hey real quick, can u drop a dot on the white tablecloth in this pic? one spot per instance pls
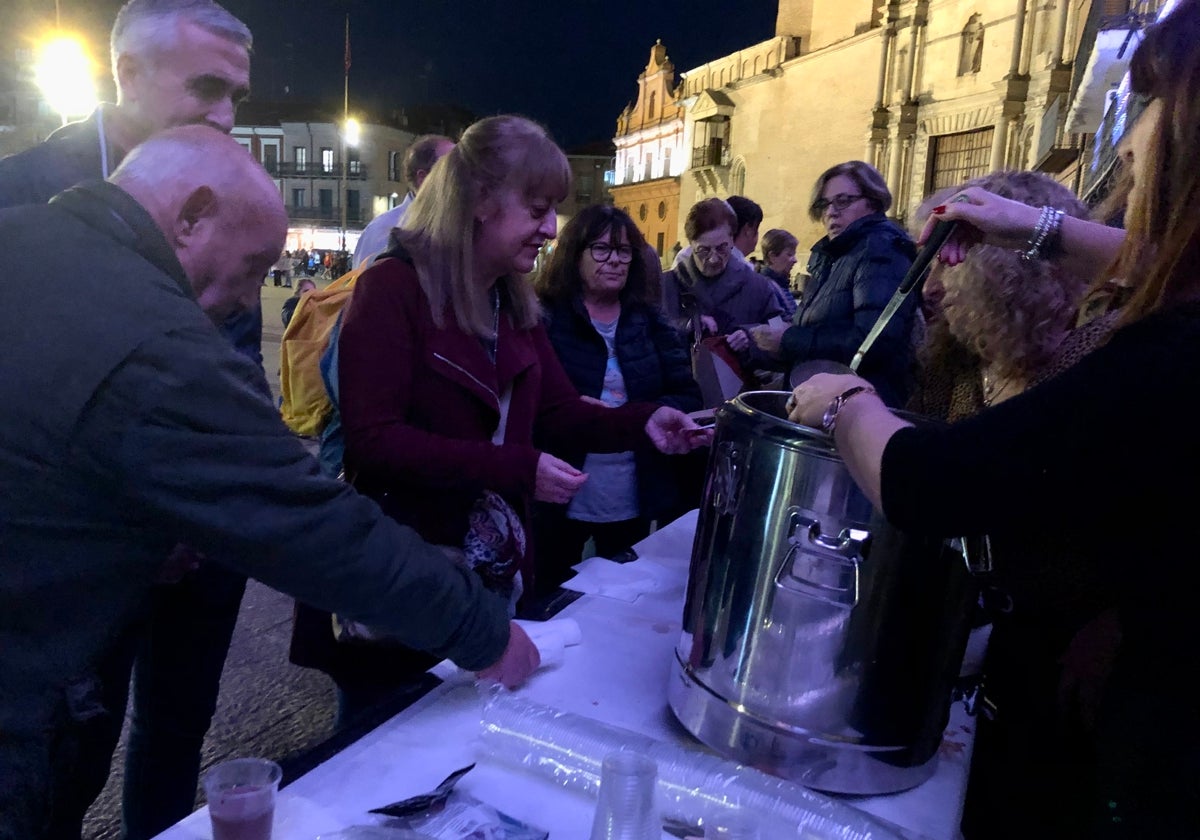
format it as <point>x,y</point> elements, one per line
<point>617,675</point>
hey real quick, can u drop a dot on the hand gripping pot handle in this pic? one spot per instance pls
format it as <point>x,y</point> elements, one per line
<point>822,566</point>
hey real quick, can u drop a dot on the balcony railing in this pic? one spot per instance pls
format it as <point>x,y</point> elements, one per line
<point>326,215</point>
<point>711,156</point>
<point>355,170</point>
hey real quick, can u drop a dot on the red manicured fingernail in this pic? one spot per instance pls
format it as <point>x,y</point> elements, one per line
<point>939,210</point>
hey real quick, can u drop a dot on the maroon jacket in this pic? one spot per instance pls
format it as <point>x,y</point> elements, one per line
<point>420,404</point>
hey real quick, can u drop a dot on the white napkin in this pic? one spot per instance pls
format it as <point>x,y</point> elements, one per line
<point>551,638</point>
<point>623,581</point>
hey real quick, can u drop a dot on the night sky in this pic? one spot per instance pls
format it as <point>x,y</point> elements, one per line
<point>571,65</point>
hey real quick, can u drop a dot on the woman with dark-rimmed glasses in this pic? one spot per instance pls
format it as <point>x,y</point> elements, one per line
<point>602,317</point>
<point>1103,455</point>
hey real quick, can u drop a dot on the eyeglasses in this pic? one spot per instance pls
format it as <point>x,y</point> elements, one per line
<point>704,252</point>
<point>838,202</point>
<point>601,251</point>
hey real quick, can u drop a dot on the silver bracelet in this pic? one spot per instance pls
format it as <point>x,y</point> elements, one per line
<point>1045,232</point>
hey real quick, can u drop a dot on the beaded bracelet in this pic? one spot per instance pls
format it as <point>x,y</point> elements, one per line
<point>1045,232</point>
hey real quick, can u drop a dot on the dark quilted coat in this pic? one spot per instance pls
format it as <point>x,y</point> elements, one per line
<point>853,277</point>
<point>656,367</point>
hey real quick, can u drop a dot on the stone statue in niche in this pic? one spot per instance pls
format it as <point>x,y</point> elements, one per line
<point>970,56</point>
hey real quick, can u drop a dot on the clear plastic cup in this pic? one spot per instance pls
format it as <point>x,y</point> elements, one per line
<point>241,798</point>
<point>626,809</point>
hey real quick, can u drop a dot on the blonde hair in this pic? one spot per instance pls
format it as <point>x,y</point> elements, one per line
<point>440,229</point>
<point>1014,312</point>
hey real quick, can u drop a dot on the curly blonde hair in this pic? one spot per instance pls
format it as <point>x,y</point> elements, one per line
<point>1011,312</point>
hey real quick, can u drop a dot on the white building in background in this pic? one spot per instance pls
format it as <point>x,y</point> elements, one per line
<point>931,92</point>
<point>650,153</point>
<point>317,174</point>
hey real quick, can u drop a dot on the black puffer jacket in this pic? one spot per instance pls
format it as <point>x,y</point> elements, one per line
<point>853,277</point>
<point>656,367</point>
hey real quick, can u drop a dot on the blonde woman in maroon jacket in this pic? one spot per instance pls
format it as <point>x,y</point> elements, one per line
<point>445,372</point>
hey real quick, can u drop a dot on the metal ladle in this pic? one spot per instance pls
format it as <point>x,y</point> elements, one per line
<point>914,278</point>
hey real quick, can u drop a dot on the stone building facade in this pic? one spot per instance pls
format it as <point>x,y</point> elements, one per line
<point>931,92</point>
<point>650,154</point>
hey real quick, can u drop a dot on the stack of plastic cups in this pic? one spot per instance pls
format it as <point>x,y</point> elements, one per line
<point>693,786</point>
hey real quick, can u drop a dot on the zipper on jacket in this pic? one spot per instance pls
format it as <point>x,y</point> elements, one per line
<point>473,377</point>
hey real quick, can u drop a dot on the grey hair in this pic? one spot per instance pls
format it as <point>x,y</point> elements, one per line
<point>146,25</point>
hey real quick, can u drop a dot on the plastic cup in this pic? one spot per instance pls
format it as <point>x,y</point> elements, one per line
<point>626,809</point>
<point>241,798</point>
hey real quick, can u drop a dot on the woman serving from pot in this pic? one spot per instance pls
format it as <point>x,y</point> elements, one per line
<point>1092,454</point>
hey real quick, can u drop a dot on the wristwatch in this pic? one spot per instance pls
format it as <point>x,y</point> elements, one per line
<point>829,421</point>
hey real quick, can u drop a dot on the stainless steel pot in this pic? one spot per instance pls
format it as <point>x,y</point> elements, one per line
<point>819,643</point>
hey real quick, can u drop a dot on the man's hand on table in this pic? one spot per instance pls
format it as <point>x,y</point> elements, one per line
<point>519,660</point>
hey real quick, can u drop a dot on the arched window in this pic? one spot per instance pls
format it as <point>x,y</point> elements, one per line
<point>653,105</point>
<point>737,178</point>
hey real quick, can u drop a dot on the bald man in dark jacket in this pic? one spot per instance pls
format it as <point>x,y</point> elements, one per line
<point>155,433</point>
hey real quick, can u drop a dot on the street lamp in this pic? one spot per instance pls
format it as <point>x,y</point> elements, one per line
<point>351,133</point>
<point>64,75</point>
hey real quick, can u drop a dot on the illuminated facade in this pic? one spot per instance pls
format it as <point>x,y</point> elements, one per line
<point>931,94</point>
<point>650,154</point>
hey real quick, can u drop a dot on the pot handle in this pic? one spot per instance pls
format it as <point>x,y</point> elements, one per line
<point>823,566</point>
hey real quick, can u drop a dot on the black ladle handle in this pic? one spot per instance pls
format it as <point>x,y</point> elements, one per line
<point>913,280</point>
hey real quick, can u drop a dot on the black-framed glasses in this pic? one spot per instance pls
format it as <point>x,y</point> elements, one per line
<point>838,202</point>
<point>722,250</point>
<point>601,251</point>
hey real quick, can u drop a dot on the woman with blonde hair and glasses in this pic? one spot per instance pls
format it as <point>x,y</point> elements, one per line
<point>1094,456</point>
<point>446,374</point>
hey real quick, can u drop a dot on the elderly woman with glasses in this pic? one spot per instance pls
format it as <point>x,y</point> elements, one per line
<point>601,313</point>
<point>713,290</point>
<point>854,271</point>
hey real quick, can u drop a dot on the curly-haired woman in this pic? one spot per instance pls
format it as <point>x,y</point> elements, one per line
<point>1004,324</point>
<point>1092,457</point>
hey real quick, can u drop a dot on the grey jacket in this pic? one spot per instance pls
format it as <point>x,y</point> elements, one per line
<point>136,428</point>
<point>737,298</point>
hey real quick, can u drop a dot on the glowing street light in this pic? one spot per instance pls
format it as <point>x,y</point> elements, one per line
<point>64,75</point>
<point>351,134</point>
